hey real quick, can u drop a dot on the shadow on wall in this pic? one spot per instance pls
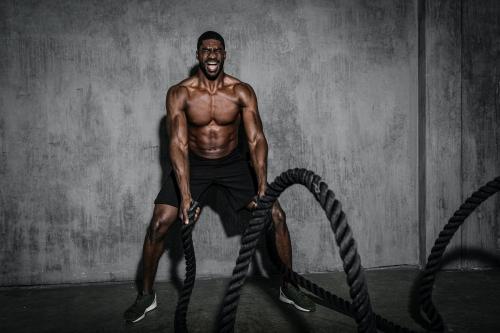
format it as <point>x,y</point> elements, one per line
<point>173,243</point>
<point>234,224</point>
<point>194,70</point>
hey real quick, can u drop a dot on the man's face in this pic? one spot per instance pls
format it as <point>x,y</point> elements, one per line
<point>211,55</point>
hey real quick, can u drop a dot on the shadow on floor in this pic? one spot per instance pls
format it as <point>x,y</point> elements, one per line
<point>487,259</point>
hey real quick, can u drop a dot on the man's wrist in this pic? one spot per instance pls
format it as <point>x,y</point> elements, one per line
<point>261,192</point>
<point>186,199</point>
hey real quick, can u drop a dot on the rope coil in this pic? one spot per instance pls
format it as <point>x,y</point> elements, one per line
<point>360,308</point>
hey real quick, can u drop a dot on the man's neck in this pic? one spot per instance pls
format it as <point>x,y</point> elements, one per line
<point>211,85</point>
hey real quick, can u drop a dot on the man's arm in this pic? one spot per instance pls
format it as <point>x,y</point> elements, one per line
<point>177,127</point>
<point>257,142</point>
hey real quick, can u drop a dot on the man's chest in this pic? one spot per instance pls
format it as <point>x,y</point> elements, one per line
<point>221,108</point>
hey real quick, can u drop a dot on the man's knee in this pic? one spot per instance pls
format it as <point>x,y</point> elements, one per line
<point>278,214</point>
<point>163,217</point>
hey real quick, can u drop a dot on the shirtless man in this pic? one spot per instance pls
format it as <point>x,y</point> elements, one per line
<point>204,112</point>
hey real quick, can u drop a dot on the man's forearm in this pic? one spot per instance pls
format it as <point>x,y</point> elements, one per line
<point>180,164</point>
<point>258,153</point>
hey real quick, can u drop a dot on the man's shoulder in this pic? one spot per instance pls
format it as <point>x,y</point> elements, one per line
<point>244,90</point>
<point>184,84</point>
<point>179,89</point>
<point>237,83</point>
<point>241,88</point>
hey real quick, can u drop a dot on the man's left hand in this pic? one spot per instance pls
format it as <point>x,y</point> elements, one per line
<point>260,194</point>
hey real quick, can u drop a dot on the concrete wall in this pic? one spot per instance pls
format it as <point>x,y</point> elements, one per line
<point>82,143</point>
<point>82,99</point>
<point>463,124</point>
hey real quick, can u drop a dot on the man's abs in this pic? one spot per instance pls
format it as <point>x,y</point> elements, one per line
<point>213,141</point>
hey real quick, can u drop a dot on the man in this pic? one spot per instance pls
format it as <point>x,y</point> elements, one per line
<point>204,112</point>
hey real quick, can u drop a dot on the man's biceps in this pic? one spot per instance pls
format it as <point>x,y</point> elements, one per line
<point>251,116</point>
<point>178,119</point>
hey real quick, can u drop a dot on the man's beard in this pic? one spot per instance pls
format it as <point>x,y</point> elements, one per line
<point>205,67</point>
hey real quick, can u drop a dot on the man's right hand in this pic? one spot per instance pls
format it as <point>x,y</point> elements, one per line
<point>183,211</point>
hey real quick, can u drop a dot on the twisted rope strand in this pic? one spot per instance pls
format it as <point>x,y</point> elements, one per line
<point>180,324</point>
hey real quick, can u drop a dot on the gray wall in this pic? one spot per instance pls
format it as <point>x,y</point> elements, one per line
<point>463,124</point>
<point>82,102</point>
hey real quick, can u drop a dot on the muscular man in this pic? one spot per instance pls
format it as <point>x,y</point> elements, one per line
<point>204,112</point>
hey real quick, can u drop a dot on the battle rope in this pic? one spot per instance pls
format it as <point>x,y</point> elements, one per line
<point>360,309</point>
<point>342,234</point>
<point>434,259</point>
<point>180,324</point>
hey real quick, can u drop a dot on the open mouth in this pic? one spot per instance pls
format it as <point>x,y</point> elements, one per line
<point>212,66</point>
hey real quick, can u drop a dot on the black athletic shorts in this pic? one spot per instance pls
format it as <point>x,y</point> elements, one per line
<point>231,174</point>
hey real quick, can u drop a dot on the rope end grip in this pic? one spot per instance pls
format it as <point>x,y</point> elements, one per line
<point>192,211</point>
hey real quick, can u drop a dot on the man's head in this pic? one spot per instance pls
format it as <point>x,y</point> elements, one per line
<point>211,54</point>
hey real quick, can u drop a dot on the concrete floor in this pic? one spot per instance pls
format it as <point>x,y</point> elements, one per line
<point>467,300</point>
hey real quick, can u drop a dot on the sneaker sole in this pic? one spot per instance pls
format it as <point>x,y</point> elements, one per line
<point>286,300</point>
<point>149,308</point>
